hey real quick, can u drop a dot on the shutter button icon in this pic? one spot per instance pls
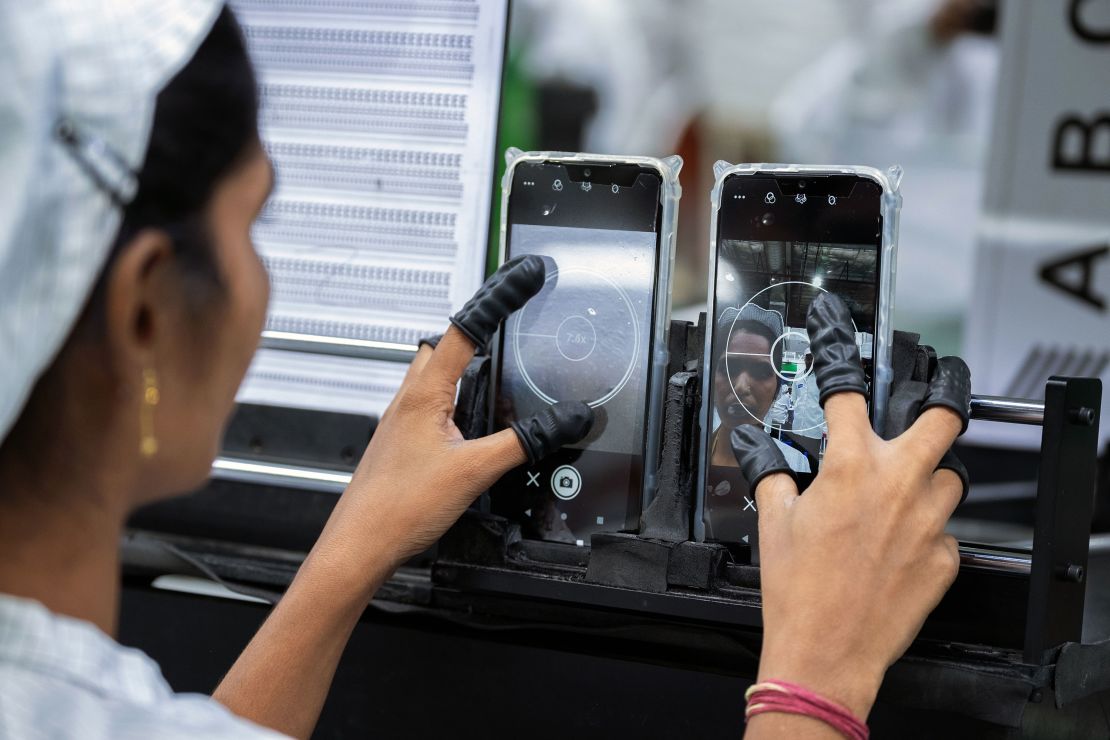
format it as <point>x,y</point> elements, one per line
<point>566,482</point>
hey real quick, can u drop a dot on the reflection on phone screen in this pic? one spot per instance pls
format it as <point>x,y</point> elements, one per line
<point>586,336</point>
<point>774,257</point>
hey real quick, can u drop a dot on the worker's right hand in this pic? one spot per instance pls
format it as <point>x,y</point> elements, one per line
<point>418,473</point>
<point>851,569</point>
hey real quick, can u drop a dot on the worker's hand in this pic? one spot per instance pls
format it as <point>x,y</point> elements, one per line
<point>851,569</point>
<point>418,474</point>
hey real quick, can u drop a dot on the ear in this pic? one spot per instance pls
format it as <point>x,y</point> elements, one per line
<point>135,308</point>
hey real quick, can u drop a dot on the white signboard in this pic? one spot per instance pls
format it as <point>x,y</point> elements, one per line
<point>1042,275</point>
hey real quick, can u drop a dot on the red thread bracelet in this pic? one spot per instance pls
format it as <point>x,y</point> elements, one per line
<point>788,698</point>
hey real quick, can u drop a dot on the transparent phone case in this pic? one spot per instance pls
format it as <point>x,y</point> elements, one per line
<point>891,205</point>
<point>668,168</point>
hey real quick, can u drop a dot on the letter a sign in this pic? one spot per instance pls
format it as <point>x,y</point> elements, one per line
<point>1041,304</point>
<point>1074,274</point>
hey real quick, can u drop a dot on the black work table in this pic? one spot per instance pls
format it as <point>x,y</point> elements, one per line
<point>418,673</point>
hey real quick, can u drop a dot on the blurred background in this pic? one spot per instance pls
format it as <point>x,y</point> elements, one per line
<point>873,82</point>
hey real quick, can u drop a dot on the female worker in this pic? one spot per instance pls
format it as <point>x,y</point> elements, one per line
<point>131,301</point>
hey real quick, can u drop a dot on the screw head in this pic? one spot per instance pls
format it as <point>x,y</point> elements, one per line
<point>1072,572</point>
<point>1083,416</point>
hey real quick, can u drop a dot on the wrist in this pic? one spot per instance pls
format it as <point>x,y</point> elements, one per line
<point>347,567</point>
<point>849,683</point>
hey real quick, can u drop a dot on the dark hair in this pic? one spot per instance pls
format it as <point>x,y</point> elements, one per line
<point>205,121</point>
<point>758,328</point>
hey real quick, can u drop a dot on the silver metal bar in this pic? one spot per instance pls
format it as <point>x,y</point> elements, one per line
<point>272,474</point>
<point>1004,561</point>
<point>331,481</point>
<point>361,348</point>
<point>1100,544</point>
<point>1013,410</point>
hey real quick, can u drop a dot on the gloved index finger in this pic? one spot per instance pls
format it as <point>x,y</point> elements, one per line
<point>836,363</point>
<point>832,340</point>
<point>503,293</point>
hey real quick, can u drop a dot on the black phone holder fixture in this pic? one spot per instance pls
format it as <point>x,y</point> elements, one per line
<point>1009,630</point>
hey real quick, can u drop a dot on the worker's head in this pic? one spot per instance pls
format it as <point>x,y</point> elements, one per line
<point>746,383</point>
<point>179,303</point>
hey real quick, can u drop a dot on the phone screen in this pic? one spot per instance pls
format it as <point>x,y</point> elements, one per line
<point>781,241</point>
<point>586,336</point>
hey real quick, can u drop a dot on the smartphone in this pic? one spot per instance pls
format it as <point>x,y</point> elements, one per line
<point>596,332</point>
<point>781,236</point>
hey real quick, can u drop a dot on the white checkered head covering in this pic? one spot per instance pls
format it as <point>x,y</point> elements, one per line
<point>78,85</point>
<point>750,312</point>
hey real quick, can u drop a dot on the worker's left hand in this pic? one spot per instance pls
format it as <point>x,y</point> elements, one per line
<point>418,474</point>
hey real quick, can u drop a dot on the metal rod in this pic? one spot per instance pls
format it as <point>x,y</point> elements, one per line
<point>288,476</point>
<point>361,348</point>
<point>986,408</point>
<point>1100,544</point>
<point>331,481</point>
<point>1003,561</point>
<point>1013,410</point>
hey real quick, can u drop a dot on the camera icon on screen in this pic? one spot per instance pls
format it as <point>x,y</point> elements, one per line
<point>566,482</point>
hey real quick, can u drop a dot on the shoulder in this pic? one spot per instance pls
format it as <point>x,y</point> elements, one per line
<point>63,678</point>
<point>38,705</point>
<point>189,716</point>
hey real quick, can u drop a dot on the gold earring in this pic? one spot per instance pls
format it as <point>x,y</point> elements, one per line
<point>148,443</point>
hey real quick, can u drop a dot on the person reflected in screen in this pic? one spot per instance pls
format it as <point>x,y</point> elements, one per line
<point>745,381</point>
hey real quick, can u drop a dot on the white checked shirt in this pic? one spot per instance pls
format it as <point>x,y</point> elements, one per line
<point>62,678</point>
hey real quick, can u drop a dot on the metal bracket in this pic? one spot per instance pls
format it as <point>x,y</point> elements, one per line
<point>1062,528</point>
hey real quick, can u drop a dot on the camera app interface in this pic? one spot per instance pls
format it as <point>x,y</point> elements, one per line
<point>586,336</point>
<point>781,242</point>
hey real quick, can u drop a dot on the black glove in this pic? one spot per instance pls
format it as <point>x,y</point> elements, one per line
<point>757,454</point>
<point>564,423</point>
<point>832,340</point>
<point>950,387</point>
<point>953,463</point>
<point>432,341</point>
<point>504,292</point>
